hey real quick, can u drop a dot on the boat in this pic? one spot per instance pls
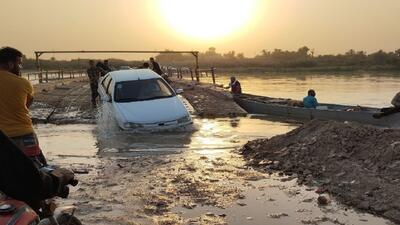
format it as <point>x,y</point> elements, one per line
<point>291,109</point>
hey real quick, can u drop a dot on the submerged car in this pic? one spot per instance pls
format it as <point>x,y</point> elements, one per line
<point>140,99</point>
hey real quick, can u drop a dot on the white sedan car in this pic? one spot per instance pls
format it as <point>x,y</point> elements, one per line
<point>142,100</point>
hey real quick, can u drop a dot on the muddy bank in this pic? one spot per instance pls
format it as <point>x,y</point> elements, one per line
<point>358,165</point>
<point>63,102</point>
<point>183,178</point>
<point>125,191</point>
<point>208,100</point>
<point>198,190</point>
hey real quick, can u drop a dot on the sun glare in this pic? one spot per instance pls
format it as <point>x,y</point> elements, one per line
<point>207,19</point>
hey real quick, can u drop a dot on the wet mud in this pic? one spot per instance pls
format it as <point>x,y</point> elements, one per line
<point>63,102</point>
<point>358,165</point>
<point>195,177</point>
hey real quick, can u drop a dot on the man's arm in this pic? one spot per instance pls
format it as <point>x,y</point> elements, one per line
<point>29,92</point>
<point>29,101</point>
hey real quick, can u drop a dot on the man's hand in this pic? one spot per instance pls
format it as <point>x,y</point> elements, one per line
<point>64,176</point>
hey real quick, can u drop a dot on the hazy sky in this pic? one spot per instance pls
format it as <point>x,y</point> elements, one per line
<point>328,26</point>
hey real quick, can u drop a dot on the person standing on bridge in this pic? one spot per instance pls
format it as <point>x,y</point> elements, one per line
<point>155,66</point>
<point>16,96</point>
<point>94,74</point>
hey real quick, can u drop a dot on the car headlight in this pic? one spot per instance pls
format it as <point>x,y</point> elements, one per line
<point>185,119</point>
<point>132,125</point>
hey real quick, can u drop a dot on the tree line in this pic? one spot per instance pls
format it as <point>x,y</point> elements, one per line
<point>304,57</point>
<point>277,59</point>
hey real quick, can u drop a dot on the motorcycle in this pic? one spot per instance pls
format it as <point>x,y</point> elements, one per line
<point>15,212</point>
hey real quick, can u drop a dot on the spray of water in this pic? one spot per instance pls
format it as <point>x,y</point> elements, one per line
<point>112,139</point>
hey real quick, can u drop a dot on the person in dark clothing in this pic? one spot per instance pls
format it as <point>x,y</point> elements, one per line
<point>100,67</point>
<point>235,86</point>
<point>94,74</point>
<point>155,66</point>
<point>22,180</point>
<point>106,66</point>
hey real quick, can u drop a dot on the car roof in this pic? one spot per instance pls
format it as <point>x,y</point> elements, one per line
<point>134,74</point>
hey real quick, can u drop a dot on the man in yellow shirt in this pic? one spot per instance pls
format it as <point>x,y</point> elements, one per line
<point>16,96</point>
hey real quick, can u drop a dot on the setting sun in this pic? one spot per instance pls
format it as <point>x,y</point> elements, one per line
<point>207,19</point>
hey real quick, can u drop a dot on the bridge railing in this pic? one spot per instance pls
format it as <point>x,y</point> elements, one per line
<point>189,73</point>
<point>49,75</point>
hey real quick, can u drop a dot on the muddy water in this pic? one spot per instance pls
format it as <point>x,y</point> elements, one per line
<point>75,144</point>
<point>192,176</point>
<point>358,88</point>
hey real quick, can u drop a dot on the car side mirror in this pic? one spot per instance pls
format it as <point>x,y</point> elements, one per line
<point>179,91</point>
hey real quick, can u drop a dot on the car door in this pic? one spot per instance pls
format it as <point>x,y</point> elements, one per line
<point>106,98</point>
<point>103,87</point>
<point>111,104</point>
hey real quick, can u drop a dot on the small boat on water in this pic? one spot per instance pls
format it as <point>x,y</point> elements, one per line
<point>292,109</point>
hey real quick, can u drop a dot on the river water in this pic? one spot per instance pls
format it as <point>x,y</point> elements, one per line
<point>358,88</point>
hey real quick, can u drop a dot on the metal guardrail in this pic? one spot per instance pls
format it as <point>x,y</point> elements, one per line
<point>193,73</point>
<point>180,73</point>
<point>49,75</point>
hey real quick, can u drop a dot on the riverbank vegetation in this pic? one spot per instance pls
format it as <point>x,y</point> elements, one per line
<point>303,59</point>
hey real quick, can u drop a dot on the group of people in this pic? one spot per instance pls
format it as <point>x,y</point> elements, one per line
<point>99,69</point>
<point>20,148</point>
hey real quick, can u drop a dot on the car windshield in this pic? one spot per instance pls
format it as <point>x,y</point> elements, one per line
<point>141,90</point>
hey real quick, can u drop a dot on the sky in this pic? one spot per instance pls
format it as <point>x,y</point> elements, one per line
<point>327,26</point>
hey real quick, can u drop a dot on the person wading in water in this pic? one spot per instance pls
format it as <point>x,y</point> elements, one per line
<point>93,73</point>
